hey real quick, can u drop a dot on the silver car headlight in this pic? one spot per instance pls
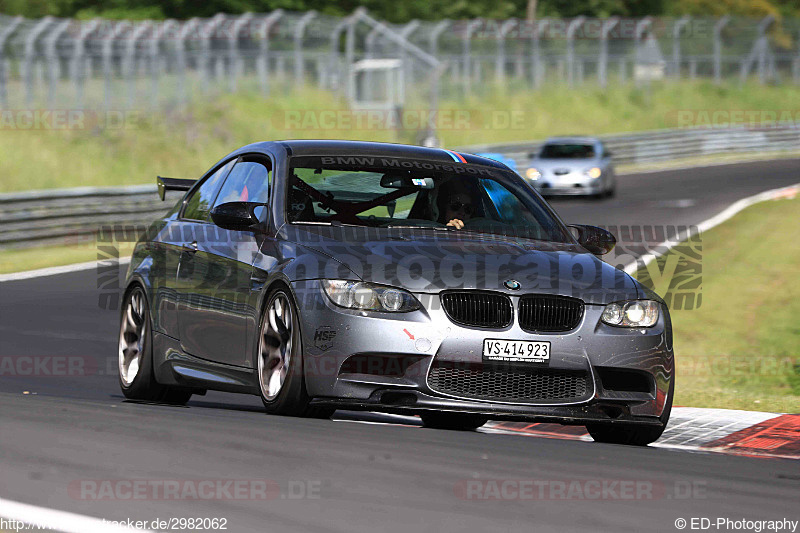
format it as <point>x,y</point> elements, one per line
<point>369,296</point>
<point>631,314</point>
<point>594,172</point>
<point>533,174</point>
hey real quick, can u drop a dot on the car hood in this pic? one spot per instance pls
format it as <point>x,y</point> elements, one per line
<point>429,261</point>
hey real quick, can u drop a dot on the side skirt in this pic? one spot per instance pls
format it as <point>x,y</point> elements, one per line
<point>174,367</point>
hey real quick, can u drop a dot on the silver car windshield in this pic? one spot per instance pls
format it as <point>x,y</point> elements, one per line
<point>419,199</point>
<point>567,151</point>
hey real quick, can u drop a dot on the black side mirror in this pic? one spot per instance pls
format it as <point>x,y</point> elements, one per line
<point>596,240</point>
<point>237,216</point>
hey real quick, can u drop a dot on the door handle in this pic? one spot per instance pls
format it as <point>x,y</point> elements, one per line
<point>190,247</point>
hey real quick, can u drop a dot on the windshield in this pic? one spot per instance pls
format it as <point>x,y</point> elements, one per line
<point>567,151</point>
<point>426,195</point>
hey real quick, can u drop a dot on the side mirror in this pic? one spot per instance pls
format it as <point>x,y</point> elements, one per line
<point>236,216</point>
<point>533,155</point>
<point>596,240</point>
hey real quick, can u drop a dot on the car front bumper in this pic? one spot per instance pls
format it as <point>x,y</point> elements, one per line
<point>408,345</point>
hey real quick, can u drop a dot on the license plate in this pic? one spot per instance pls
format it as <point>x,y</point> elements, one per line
<point>516,351</point>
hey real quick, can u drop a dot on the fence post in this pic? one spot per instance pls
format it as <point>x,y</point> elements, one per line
<point>180,56</point>
<point>437,32</point>
<point>262,63</point>
<point>298,45</point>
<point>206,33</point>
<point>500,61</point>
<point>29,57</point>
<point>78,60</point>
<point>676,45</point>
<point>602,65</point>
<point>405,33</point>
<point>369,42</point>
<point>472,26</point>
<point>334,65</point>
<point>571,29</point>
<point>234,60</point>
<point>130,58</point>
<point>718,27</point>
<point>763,26</point>
<point>641,27</point>
<point>155,57</point>
<point>5,33</point>
<point>108,55</point>
<point>53,63</point>
<point>538,70</point>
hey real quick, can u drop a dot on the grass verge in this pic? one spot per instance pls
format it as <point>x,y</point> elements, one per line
<point>740,349</point>
<point>17,260</point>
<point>186,143</point>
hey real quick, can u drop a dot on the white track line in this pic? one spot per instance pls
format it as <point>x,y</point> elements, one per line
<point>44,518</point>
<point>54,271</point>
<point>728,213</point>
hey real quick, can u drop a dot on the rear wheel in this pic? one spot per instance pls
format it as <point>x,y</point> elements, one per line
<point>280,361</point>
<point>455,421</point>
<point>630,434</point>
<point>136,377</point>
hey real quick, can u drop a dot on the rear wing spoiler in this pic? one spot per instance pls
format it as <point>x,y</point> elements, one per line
<point>172,184</point>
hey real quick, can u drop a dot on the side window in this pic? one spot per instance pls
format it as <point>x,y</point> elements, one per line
<point>247,182</point>
<point>199,204</point>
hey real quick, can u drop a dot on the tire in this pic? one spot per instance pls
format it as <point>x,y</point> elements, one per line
<point>135,356</point>
<point>279,360</point>
<point>453,421</point>
<point>630,434</point>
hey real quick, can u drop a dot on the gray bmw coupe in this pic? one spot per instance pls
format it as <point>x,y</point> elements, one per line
<point>324,275</point>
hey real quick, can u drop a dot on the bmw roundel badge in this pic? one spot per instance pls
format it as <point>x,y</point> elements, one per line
<point>512,284</point>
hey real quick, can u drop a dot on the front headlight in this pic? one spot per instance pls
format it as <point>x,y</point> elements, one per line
<point>594,173</point>
<point>632,314</point>
<point>533,174</point>
<point>369,296</point>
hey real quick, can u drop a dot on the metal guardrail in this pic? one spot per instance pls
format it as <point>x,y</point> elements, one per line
<point>669,144</point>
<point>34,218</point>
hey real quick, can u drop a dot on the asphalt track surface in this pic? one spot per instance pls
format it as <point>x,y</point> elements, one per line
<point>356,476</point>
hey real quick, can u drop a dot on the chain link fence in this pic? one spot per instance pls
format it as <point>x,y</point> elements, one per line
<point>104,64</point>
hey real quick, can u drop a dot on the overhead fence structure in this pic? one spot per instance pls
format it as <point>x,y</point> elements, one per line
<point>36,218</point>
<point>97,64</point>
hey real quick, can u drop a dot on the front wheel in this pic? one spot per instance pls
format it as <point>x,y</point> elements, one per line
<point>136,376</point>
<point>280,361</point>
<point>454,421</point>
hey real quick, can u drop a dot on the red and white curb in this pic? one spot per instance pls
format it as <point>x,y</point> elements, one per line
<point>697,429</point>
<point>690,428</point>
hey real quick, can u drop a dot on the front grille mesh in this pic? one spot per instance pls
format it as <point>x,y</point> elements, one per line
<point>549,313</point>
<point>478,309</point>
<point>510,384</point>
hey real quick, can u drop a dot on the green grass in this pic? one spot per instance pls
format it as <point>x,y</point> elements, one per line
<point>741,348</point>
<point>187,143</point>
<point>16,260</point>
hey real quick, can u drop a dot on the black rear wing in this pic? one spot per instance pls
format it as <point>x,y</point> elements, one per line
<point>172,184</point>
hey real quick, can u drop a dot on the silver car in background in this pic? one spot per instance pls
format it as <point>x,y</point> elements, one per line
<point>572,166</point>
